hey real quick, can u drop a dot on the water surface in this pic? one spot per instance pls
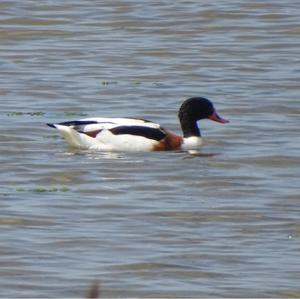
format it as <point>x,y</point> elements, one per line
<point>221,224</point>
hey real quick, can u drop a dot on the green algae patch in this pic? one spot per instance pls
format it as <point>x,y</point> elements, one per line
<point>20,113</point>
<point>44,190</point>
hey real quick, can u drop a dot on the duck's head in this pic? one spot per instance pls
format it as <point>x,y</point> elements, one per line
<point>194,109</point>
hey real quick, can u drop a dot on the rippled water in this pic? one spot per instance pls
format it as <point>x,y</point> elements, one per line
<point>225,223</point>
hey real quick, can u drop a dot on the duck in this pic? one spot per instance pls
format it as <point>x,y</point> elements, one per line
<point>137,134</point>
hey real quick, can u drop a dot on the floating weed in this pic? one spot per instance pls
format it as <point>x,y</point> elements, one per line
<point>19,113</point>
<point>159,84</point>
<point>40,113</point>
<point>54,189</point>
<point>43,190</point>
<point>106,83</point>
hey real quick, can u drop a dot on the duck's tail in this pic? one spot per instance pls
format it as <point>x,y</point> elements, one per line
<point>74,138</point>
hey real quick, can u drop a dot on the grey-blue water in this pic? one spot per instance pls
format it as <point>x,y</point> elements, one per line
<point>222,224</point>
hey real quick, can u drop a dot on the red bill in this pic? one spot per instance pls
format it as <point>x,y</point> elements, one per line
<point>218,118</point>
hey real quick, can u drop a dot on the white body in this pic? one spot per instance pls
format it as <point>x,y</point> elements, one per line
<point>105,140</point>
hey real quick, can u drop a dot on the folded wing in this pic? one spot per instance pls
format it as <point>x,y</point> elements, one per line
<point>111,133</point>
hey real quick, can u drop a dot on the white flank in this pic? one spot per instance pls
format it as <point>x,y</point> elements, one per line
<point>106,141</point>
<point>126,142</point>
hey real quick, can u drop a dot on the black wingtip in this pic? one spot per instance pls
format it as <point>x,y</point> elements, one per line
<point>51,125</point>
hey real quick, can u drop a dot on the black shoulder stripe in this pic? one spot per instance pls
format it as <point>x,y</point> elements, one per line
<point>78,122</point>
<point>146,132</point>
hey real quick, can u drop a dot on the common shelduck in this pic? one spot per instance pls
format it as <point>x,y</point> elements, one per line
<point>132,134</point>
